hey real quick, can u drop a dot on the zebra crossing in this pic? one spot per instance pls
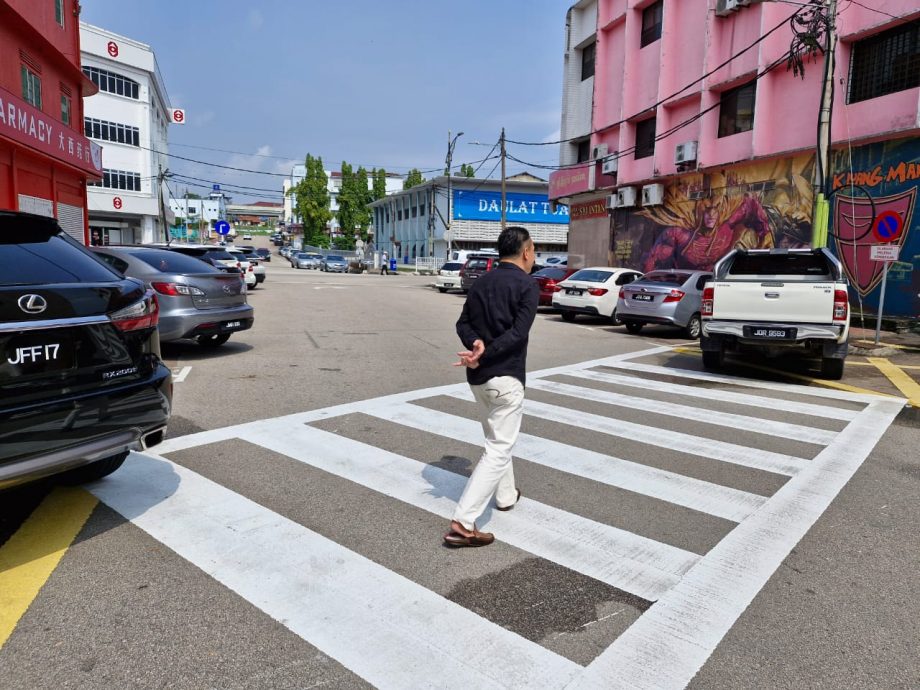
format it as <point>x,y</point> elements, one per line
<point>396,633</point>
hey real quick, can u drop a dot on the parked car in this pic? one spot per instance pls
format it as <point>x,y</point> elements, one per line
<point>309,260</point>
<point>448,276</point>
<point>592,291</point>
<point>335,264</point>
<point>196,301</point>
<point>670,298</point>
<point>264,254</point>
<point>556,261</point>
<point>475,266</point>
<point>217,255</point>
<point>547,278</point>
<point>81,378</point>
<point>775,301</point>
<point>247,237</point>
<point>257,268</point>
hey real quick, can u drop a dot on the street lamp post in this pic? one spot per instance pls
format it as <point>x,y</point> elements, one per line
<point>450,155</point>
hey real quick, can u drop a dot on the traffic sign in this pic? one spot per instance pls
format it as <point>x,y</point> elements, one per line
<point>177,116</point>
<point>117,203</point>
<point>222,227</point>
<point>887,226</point>
<point>884,252</point>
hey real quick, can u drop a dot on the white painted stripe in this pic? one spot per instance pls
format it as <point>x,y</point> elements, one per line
<point>181,375</point>
<point>677,389</point>
<point>770,427</point>
<point>663,438</point>
<point>389,630</point>
<point>635,564</point>
<point>812,391</point>
<point>696,494</point>
<point>668,645</point>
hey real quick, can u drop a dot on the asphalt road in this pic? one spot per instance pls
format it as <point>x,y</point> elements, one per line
<point>676,529</point>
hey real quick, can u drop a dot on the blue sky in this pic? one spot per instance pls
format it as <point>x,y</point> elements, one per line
<point>372,83</point>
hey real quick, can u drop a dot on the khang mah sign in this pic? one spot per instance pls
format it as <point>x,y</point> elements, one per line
<point>519,208</point>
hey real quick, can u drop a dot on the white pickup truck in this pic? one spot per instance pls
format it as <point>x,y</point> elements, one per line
<point>776,299</point>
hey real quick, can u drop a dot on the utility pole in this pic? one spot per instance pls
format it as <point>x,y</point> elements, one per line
<point>822,159</point>
<point>504,195</point>
<point>161,175</point>
<point>450,156</point>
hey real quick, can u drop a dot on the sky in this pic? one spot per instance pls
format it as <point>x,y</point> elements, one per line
<point>373,83</point>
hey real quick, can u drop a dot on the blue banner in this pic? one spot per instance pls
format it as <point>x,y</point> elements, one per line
<point>520,208</point>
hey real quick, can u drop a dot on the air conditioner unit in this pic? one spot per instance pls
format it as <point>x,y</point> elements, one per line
<point>613,201</point>
<point>726,7</point>
<point>685,153</point>
<point>610,164</point>
<point>653,195</point>
<point>598,152</point>
<point>626,197</point>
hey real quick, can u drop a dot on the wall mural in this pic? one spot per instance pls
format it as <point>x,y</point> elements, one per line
<point>769,204</point>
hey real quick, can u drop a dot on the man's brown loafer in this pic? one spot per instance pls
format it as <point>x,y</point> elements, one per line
<point>459,536</point>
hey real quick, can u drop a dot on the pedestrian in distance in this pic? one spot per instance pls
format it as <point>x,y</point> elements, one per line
<point>494,326</point>
<point>384,264</point>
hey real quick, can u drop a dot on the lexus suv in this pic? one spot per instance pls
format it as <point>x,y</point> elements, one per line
<point>81,379</point>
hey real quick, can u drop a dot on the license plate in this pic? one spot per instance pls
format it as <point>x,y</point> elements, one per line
<point>36,354</point>
<point>643,298</point>
<point>448,284</point>
<point>769,333</point>
<point>573,291</point>
<point>232,325</point>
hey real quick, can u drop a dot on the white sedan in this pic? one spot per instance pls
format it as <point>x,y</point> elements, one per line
<point>592,291</point>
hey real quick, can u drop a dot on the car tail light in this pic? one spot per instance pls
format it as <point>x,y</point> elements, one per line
<point>145,313</point>
<point>239,265</point>
<point>549,285</point>
<point>841,305</point>
<point>622,294</point>
<point>251,269</point>
<point>557,288</point>
<point>597,292</point>
<point>174,289</point>
<point>707,304</point>
<point>463,271</point>
<point>674,296</point>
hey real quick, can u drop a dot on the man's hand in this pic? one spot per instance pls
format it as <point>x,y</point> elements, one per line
<point>470,358</point>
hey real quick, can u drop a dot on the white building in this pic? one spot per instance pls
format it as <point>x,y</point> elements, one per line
<point>129,117</point>
<point>334,186</point>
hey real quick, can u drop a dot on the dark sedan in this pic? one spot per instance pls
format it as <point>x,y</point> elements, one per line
<point>81,380</point>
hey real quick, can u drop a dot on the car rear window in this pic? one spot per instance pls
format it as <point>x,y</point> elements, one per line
<point>780,264</point>
<point>333,257</point>
<point>477,264</point>
<point>33,258</point>
<point>552,273</point>
<point>263,252</point>
<point>591,276</point>
<point>666,278</point>
<point>451,267</point>
<point>172,262</point>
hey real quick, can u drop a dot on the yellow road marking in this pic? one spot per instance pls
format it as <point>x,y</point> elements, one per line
<point>30,556</point>
<point>909,348</point>
<point>903,382</point>
<point>870,364</point>
<point>801,377</point>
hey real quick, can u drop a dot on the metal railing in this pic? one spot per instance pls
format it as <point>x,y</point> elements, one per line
<point>428,264</point>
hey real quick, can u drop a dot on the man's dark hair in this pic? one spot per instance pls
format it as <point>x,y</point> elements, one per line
<point>511,241</point>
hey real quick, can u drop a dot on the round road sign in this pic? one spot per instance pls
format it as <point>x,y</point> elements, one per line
<point>116,202</point>
<point>887,226</point>
<point>112,48</point>
<point>222,227</point>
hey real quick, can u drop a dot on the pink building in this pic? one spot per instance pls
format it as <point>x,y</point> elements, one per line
<point>686,134</point>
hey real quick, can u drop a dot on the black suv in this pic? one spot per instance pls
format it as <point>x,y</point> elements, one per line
<point>81,380</point>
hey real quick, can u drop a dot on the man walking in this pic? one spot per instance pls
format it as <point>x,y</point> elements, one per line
<point>495,326</point>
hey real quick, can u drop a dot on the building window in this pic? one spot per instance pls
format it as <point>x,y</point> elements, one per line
<point>885,63</point>
<point>31,87</point>
<point>113,83</point>
<point>651,23</point>
<point>645,138</point>
<point>59,12</point>
<point>65,109</point>
<point>587,60</point>
<point>736,110</point>
<point>111,131</point>
<point>584,150</point>
<point>120,179</point>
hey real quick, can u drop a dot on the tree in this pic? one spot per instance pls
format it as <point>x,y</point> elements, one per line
<point>312,197</point>
<point>348,204</point>
<point>413,178</point>
<point>466,170</point>
<point>364,196</point>
<point>380,183</point>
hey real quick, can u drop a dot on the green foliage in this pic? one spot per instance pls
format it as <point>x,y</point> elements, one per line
<point>354,196</point>
<point>380,183</point>
<point>346,242</point>
<point>413,178</point>
<point>466,170</point>
<point>312,197</point>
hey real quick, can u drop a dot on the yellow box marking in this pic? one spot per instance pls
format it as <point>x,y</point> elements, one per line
<point>903,382</point>
<point>35,550</point>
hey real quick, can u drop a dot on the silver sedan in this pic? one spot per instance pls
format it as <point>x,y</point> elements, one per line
<point>670,298</point>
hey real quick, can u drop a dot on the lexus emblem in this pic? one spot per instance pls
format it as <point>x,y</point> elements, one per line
<point>33,304</point>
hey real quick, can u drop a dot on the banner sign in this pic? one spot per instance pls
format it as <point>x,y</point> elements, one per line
<point>570,181</point>
<point>28,126</point>
<point>520,208</point>
<point>589,209</point>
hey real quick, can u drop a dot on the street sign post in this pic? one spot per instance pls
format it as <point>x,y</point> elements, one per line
<point>886,253</point>
<point>222,227</point>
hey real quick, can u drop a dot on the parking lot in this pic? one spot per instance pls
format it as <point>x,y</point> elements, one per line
<point>678,526</point>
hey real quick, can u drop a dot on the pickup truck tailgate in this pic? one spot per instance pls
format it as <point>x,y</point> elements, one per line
<point>773,301</point>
